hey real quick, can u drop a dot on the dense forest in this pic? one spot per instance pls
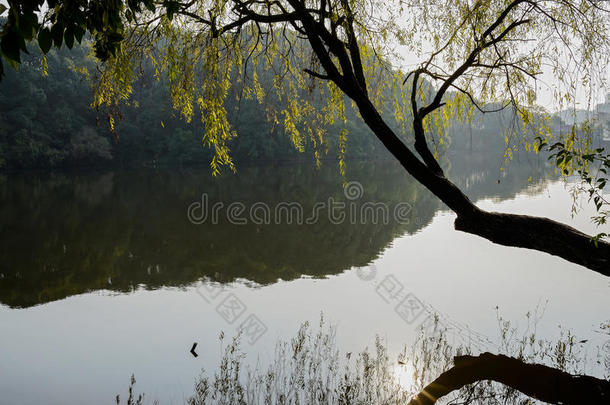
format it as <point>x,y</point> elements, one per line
<point>50,123</point>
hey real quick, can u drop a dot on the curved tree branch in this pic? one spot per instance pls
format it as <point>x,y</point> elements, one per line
<point>341,64</point>
<point>541,234</point>
<point>535,380</point>
<point>421,146</point>
<point>468,63</point>
<point>510,230</point>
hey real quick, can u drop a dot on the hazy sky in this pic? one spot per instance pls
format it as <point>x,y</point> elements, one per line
<point>546,84</point>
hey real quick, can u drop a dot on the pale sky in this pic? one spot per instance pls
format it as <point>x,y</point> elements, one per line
<point>545,86</point>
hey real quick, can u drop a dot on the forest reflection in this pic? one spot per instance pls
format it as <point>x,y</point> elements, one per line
<point>66,233</point>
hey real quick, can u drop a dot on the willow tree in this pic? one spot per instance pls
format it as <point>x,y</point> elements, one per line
<point>321,54</point>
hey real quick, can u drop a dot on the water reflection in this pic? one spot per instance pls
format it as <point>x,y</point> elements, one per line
<point>68,233</point>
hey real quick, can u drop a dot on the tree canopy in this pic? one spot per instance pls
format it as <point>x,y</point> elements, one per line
<point>481,55</point>
<point>306,61</point>
<point>47,122</point>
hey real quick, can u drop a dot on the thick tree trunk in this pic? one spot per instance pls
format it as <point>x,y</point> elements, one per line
<point>544,383</point>
<point>522,231</point>
<point>510,230</point>
<point>541,234</point>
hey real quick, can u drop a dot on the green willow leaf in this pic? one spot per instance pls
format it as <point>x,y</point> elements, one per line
<point>57,33</point>
<point>44,40</point>
<point>69,37</point>
<point>79,32</point>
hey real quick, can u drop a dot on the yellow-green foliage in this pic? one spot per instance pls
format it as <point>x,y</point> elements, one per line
<point>202,63</point>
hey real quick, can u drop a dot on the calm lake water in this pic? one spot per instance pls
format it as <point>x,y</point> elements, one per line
<point>105,274</point>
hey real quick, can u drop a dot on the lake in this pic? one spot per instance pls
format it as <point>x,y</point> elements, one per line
<point>112,273</point>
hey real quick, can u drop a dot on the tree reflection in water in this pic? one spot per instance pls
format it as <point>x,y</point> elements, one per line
<point>69,233</point>
<point>310,369</point>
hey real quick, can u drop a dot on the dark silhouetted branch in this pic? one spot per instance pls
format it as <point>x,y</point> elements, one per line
<point>541,382</point>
